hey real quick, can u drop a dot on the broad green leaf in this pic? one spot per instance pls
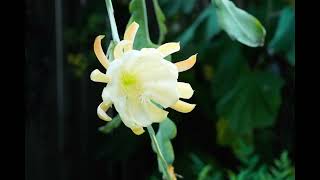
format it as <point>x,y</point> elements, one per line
<point>161,21</point>
<point>253,102</point>
<point>139,15</point>
<point>209,17</point>
<point>239,24</point>
<point>167,131</point>
<point>284,38</point>
<point>116,121</point>
<point>231,64</point>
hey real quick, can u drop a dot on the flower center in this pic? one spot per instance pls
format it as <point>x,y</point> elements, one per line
<point>130,83</point>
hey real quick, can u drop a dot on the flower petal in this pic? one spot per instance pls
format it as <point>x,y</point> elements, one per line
<point>131,31</point>
<point>183,107</point>
<point>185,90</point>
<point>138,131</point>
<point>164,93</point>
<point>101,110</point>
<point>155,114</point>
<point>186,64</point>
<point>169,48</point>
<point>98,76</point>
<point>122,47</point>
<point>99,51</point>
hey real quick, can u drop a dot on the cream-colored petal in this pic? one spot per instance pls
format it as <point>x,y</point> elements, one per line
<point>169,48</point>
<point>138,131</point>
<point>122,47</point>
<point>183,107</point>
<point>185,90</point>
<point>164,93</point>
<point>101,110</point>
<point>131,31</point>
<point>99,51</point>
<point>155,113</point>
<point>186,64</point>
<point>98,76</point>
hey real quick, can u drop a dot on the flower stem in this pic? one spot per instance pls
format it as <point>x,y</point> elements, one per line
<point>155,144</point>
<point>114,29</point>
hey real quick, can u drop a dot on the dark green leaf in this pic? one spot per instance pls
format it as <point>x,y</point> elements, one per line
<point>253,102</point>
<point>161,21</point>
<point>116,121</point>
<point>139,15</point>
<point>209,17</point>
<point>284,38</point>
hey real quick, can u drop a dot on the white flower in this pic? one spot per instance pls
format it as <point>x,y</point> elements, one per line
<point>141,83</point>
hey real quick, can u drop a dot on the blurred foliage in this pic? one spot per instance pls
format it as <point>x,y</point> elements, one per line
<point>243,94</point>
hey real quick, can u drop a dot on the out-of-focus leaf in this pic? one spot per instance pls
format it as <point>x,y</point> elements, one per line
<point>173,7</point>
<point>205,170</point>
<point>231,63</point>
<point>209,17</point>
<point>116,121</point>
<point>161,21</point>
<point>284,38</point>
<point>239,24</point>
<point>187,6</point>
<point>282,169</point>
<point>253,102</point>
<point>167,131</point>
<point>139,15</point>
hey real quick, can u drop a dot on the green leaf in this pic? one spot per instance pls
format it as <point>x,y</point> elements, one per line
<point>161,21</point>
<point>253,102</point>
<point>239,24</point>
<point>231,64</point>
<point>284,38</point>
<point>209,17</point>
<point>108,128</point>
<point>167,131</point>
<point>139,15</point>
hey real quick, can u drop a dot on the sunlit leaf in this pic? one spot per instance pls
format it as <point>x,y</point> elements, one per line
<point>239,24</point>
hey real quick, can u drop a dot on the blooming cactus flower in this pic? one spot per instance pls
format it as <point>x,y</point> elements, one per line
<point>141,83</point>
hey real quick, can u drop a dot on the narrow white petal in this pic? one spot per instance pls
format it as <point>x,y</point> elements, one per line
<point>183,107</point>
<point>99,51</point>
<point>131,31</point>
<point>185,90</point>
<point>122,47</point>
<point>138,131</point>
<point>98,76</point>
<point>186,64</point>
<point>101,110</point>
<point>169,48</point>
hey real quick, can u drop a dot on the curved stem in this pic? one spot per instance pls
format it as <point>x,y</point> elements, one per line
<point>114,29</point>
<point>155,143</point>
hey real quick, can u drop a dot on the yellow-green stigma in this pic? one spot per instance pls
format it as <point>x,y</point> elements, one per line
<point>130,83</point>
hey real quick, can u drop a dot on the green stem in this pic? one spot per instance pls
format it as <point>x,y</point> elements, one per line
<point>114,29</point>
<point>155,144</point>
